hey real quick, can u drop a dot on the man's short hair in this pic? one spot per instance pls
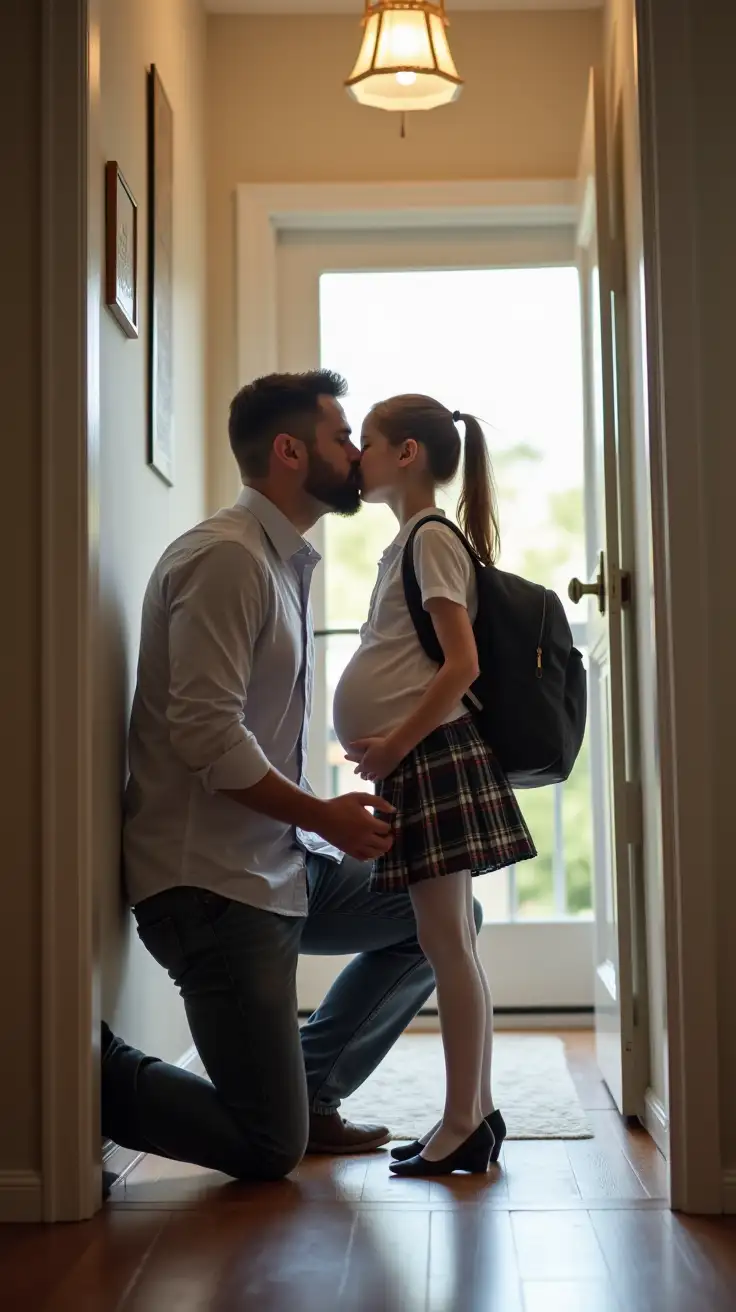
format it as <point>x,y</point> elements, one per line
<point>278,403</point>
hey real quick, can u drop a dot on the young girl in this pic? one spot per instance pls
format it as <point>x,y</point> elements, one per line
<point>402,719</point>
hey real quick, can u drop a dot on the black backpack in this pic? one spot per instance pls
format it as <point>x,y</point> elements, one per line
<point>529,699</point>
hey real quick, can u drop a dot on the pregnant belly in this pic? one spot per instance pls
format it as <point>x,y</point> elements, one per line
<point>370,698</point>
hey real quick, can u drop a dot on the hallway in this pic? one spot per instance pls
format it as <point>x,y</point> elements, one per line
<point>578,1226</point>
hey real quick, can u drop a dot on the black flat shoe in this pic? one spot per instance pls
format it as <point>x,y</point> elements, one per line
<point>495,1123</point>
<point>473,1155</point>
<point>407,1150</point>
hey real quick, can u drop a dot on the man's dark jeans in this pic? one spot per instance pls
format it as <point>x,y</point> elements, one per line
<point>235,966</point>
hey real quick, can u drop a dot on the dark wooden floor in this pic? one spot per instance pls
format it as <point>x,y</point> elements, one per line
<point>560,1227</point>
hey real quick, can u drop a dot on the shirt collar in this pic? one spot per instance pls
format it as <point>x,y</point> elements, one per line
<point>402,536</point>
<point>286,539</point>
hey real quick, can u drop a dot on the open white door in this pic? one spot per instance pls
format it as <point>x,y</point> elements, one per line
<point>607,590</point>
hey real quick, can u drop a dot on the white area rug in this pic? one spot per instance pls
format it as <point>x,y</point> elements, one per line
<point>532,1086</point>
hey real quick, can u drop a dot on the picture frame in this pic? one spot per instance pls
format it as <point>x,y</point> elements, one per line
<point>161,279</point>
<point>121,250</point>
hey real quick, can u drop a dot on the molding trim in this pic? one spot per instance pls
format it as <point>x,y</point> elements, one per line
<point>71,272</point>
<point>657,1122</point>
<point>428,1023</point>
<point>263,210</point>
<point>354,206</point>
<point>21,1196</point>
<point>729,1192</point>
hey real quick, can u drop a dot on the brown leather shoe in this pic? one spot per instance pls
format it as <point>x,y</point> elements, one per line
<point>333,1135</point>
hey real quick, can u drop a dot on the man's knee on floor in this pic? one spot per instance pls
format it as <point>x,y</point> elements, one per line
<point>272,1161</point>
<point>275,1165</point>
<point>271,1151</point>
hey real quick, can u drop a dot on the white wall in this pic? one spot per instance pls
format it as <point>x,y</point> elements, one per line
<point>139,514</point>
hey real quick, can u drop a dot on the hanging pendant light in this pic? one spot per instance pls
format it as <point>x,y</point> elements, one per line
<point>404,62</point>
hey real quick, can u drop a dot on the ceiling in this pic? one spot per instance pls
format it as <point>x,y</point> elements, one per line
<point>356,6</point>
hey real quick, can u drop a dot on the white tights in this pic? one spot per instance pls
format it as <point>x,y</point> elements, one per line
<point>446,929</point>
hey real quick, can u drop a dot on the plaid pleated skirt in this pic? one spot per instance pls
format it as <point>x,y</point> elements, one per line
<point>455,810</point>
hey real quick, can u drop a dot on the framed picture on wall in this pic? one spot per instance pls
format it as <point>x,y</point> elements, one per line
<point>160,279</point>
<point>121,250</point>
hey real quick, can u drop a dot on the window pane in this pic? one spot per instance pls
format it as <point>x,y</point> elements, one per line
<point>352,550</point>
<point>503,344</point>
<point>494,894</point>
<point>534,879</point>
<point>578,836</point>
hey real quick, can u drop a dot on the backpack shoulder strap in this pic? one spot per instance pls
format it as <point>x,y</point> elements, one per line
<point>421,618</point>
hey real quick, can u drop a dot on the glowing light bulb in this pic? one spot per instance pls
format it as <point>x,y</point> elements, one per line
<point>406,79</point>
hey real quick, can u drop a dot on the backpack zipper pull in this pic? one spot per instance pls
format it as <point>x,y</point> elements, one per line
<point>541,634</point>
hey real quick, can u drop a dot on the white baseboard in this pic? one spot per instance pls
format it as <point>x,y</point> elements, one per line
<point>21,1196</point>
<point>579,1020</point>
<point>729,1192</point>
<point>556,1022</point>
<point>657,1122</point>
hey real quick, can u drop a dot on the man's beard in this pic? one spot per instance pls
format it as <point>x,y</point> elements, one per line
<point>339,494</point>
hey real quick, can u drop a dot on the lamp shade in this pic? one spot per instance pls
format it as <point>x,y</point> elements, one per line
<point>404,62</point>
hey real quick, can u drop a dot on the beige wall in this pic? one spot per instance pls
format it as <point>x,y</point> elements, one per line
<point>277,112</point>
<point>139,514</point>
<point>20,145</point>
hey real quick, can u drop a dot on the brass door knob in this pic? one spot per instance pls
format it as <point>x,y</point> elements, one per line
<point>577,590</point>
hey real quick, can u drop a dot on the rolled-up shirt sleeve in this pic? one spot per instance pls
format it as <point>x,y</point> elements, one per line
<point>216,609</point>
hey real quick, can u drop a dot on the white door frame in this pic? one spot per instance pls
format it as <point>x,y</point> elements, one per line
<point>71,231</point>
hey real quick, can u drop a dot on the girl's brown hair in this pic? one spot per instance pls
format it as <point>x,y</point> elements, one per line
<point>434,426</point>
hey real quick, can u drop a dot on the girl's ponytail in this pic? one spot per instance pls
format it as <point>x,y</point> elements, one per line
<point>434,426</point>
<point>477,510</point>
